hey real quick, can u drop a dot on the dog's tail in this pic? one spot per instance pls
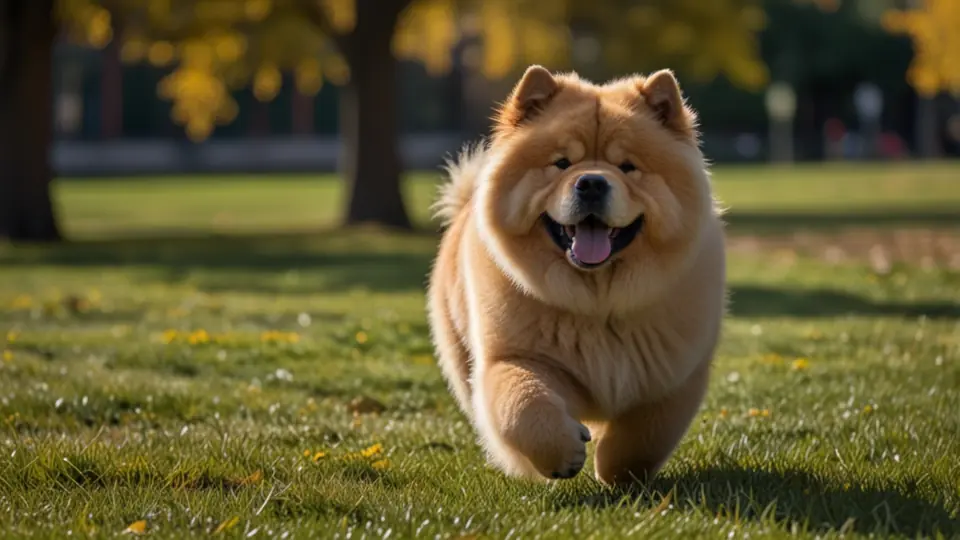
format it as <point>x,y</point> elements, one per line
<point>463,174</point>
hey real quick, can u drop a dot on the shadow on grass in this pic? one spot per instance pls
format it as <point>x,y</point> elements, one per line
<point>800,497</point>
<point>793,499</point>
<point>339,260</point>
<point>754,301</point>
<point>789,222</point>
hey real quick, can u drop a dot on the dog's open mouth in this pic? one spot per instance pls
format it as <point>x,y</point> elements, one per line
<point>591,242</point>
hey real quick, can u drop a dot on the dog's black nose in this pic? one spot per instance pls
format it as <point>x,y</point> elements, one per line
<point>592,187</point>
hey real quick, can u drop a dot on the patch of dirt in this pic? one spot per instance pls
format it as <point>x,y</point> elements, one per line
<point>927,248</point>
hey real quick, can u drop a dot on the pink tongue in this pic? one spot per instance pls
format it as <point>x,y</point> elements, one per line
<point>591,245</point>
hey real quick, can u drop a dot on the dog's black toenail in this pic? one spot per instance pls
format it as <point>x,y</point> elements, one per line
<point>556,475</point>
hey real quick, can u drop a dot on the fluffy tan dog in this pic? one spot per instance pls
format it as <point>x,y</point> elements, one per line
<point>581,278</point>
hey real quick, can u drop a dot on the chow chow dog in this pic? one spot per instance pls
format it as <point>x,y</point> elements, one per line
<point>580,282</point>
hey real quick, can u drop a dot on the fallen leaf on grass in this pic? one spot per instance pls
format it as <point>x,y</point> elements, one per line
<point>254,478</point>
<point>137,527</point>
<point>664,503</point>
<point>227,524</point>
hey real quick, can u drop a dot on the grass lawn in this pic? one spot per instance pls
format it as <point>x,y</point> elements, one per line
<point>209,357</point>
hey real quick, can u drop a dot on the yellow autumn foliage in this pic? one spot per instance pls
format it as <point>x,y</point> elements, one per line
<point>934,28</point>
<point>219,46</point>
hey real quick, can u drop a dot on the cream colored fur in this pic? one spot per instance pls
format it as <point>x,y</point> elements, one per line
<point>542,355</point>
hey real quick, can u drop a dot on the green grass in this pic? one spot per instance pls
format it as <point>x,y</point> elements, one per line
<point>833,409</point>
<point>772,199</point>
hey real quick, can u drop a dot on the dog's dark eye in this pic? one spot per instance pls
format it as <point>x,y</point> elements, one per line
<point>627,167</point>
<point>562,163</point>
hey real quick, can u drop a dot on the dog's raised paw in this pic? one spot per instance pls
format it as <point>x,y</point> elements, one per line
<point>576,455</point>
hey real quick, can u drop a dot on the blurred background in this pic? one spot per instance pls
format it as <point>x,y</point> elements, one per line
<point>369,89</point>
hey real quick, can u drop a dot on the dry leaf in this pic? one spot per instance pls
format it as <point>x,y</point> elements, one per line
<point>664,503</point>
<point>254,478</point>
<point>137,527</point>
<point>226,525</point>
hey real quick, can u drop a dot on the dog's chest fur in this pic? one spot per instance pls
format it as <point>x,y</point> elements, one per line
<point>620,361</point>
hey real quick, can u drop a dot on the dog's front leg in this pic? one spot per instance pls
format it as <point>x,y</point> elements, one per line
<point>528,418</point>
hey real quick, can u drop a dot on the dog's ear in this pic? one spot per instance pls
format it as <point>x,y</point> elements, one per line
<point>535,89</point>
<point>662,95</point>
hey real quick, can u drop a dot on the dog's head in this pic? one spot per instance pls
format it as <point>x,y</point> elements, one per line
<point>594,195</point>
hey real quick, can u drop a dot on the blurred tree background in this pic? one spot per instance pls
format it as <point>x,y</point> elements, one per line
<point>209,55</point>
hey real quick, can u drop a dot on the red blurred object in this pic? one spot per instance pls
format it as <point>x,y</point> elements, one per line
<point>834,129</point>
<point>891,145</point>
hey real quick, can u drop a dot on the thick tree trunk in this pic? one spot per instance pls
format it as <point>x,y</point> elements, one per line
<point>369,118</point>
<point>27,31</point>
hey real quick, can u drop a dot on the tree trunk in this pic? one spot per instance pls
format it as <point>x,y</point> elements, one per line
<point>27,32</point>
<point>370,160</point>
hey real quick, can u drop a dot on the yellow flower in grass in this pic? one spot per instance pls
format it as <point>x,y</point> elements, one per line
<point>371,451</point>
<point>7,356</point>
<point>380,464</point>
<point>361,337</point>
<point>12,336</point>
<point>199,337</point>
<point>318,456</point>
<point>755,412</point>
<point>800,364</point>
<point>169,336</point>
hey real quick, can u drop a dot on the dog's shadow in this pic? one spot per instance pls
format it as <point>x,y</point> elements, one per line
<point>791,499</point>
